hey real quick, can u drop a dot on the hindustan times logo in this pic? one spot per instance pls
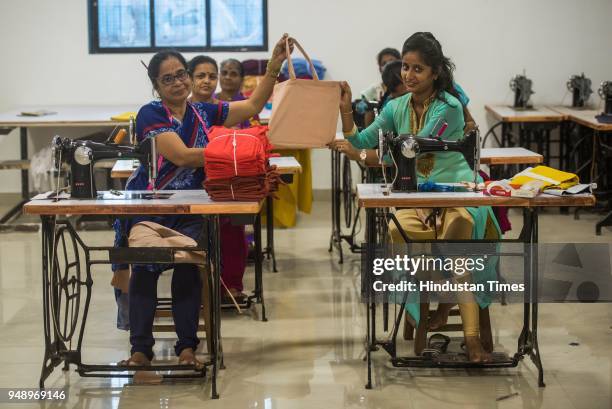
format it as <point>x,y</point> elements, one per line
<point>411,265</point>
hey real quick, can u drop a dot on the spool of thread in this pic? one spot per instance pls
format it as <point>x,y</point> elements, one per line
<point>120,136</point>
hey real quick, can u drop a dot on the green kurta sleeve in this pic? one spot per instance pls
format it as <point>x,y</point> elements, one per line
<point>368,138</point>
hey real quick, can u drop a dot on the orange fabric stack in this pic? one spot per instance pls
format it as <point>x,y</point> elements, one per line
<point>236,164</point>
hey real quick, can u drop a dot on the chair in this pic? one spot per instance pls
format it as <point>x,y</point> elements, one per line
<point>164,310</point>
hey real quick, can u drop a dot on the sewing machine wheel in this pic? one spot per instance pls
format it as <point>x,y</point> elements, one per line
<point>347,191</point>
<point>66,282</point>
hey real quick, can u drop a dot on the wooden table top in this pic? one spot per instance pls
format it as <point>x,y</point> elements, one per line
<point>286,165</point>
<point>509,156</point>
<point>584,117</point>
<point>538,114</point>
<point>66,116</point>
<point>371,196</point>
<point>264,116</point>
<point>504,156</point>
<point>181,202</point>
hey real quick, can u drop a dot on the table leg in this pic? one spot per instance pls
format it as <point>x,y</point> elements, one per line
<point>51,357</point>
<point>64,315</point>
<point>23,144</point>
<point>504,135</point>
<point>562,142</point>
<point>258,267</point>
<point>335,239</point>
<point>270,232</point>
<point>535,348</point>
<point>525,237</point>
<point>216,303</point>
<point>606,221</point>
<point>25,181</point>
<point>370,249</point>
<point>528,340</point>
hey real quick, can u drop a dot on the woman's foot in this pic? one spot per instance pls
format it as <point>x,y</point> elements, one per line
<point>237,295</point>
<point>475,351</point>
<point>440,317</point>
<point>141,377</point>
<point>137,359</point>
<point>188,357</point>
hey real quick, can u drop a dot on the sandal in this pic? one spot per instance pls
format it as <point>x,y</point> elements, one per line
<point>437,344</point>
<point>141,377</point>
<point>137,359</point>
<point>188,357</point>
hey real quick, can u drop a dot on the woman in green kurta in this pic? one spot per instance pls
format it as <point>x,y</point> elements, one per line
<point>430,102</point>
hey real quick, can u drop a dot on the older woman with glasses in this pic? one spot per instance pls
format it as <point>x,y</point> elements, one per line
<point>180,128</point>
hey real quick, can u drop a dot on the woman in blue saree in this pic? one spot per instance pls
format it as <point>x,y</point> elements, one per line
<point>180,128</point>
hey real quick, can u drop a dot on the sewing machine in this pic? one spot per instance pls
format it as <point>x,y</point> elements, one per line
<point>580,87</point>
<point>405,148</point>
<point>605,92</point>
<point>81,155</point>
<point>522,87</point>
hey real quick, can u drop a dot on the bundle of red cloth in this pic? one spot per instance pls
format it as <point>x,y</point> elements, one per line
<point>244,188</point>
<point>236,164</point>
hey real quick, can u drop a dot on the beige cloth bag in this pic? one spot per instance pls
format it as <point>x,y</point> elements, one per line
<point>149,234</point>
<point>304,112</point>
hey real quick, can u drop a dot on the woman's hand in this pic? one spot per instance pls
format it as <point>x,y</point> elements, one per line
<point>279,54</point>
<point>344,146</point>
<point>346,97</point>
<point>242,110</point>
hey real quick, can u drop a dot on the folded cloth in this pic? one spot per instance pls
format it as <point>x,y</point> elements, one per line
<point>236,152</point>
<point>550,177</point>
<point>244,188</point>
<point>302,68</point>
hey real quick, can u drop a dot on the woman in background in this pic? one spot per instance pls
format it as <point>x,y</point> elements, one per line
<point>376,90</point>
<point>234,248</point>
<point>204,78</point>
<point>392,80</point>
<point>232,76</point>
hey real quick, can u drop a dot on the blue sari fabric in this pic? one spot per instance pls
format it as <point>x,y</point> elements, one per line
<point>154,119</point>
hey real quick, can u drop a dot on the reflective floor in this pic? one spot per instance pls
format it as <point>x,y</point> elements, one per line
<point>310,353</point>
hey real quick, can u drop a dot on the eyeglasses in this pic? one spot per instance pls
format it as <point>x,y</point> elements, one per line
<point>169,79</point>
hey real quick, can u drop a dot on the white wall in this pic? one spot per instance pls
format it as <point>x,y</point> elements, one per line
<point>45,60</point>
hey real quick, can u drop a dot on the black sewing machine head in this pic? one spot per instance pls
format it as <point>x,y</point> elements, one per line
<point>580,87</point>
<point>605,92</point>
<point>522,87</point>
<point>405,148</point>
<point>81,156</point>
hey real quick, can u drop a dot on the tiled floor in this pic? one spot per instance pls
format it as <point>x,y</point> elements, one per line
<point>309,354</point>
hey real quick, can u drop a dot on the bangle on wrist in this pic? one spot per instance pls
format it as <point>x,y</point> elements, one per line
<point>348,113</point>
<point>350,133</point>
<point>271,71</point>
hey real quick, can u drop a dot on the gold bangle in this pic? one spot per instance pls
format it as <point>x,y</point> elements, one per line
<point>350,133</point>
<point>271,71</point>
<point>348,113</point>
<point>272,74</point>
